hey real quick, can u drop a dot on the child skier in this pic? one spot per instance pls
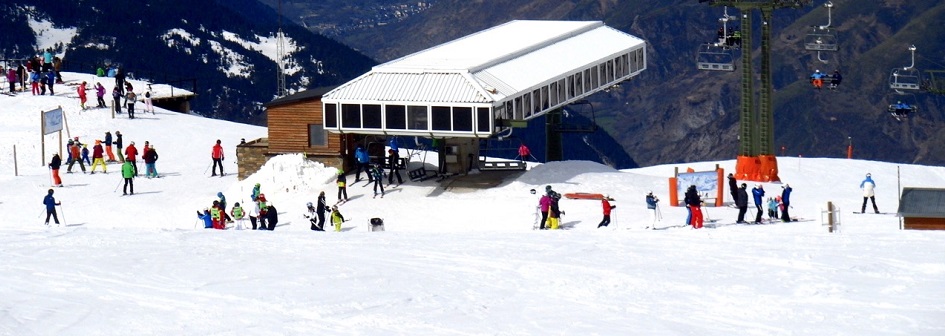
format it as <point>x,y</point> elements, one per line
<point>343,186</point>
<point>207,219</point>
<point>337,218</point>
<point>772,209</point>
<point>237,213</point>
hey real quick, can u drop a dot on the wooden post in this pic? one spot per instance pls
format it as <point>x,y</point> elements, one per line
<point>42,138</point>
<point>16,170</point>
<point>830,217</point>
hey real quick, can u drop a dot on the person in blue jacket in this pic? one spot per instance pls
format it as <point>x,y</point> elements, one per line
<point>207,219</point>
<point>758,193</point>
<point>786,202</point>
<point>364,161</point>
<point>393,143</point>
<point>51,81</point>
<point>51,204</point>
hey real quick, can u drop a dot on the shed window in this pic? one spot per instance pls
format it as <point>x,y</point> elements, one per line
<point>462,119</point>
<point>317,136</point>
<point>441,118</point>
<point>482,119</point>
<point>331,116</point>
<point>396,116</point>
<point>351,115</point>
<point>417,118</point>
<point>371,115</point>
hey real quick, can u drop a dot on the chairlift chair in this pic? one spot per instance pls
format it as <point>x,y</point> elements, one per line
<point>712,57</point>
<point>906,78</point>
<point>581,107</point>
<point>901,104</point>
<point>822,38</point>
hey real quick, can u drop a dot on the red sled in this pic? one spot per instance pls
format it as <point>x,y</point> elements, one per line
<point>585,196</point>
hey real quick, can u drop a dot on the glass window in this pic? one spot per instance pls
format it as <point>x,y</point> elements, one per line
<point>396,116</point>
<point>587,81</point>
<point>441,118</point>
<point>482,119</point>
<point>462,119</point>
<point>624,65</point>
<point>553,89</point>
<point>350,115</point>
<point>641,59</point>
<point>562,89</point>
<point>527,104</point>
<point>610,71</point>
<point>544,97</point>
<point>602,69</point>
<point>507,113</point>
<point>578,84</point>
<point>570,86</point>
<point>371,115</point>
<point>317,136</point>
<point>519,114</point>
<point>331,115</point>
<point>618,67</point>
<point>594,79</point>
<point>417,118</point>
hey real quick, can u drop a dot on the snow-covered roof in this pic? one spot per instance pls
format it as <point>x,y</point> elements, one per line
<point>491,65</point>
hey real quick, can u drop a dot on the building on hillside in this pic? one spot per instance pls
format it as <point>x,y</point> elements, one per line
<point>295,126</point>
<point>922,208</point>
<point>481,85</point>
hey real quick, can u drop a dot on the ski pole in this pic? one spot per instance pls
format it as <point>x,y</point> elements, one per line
<point>208,168</point>
<point>119,185</point>
<point>63,214</point>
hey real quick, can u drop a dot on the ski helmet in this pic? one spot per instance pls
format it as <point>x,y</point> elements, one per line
<point>309,204</point>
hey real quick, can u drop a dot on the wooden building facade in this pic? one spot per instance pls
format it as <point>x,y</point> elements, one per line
<point>295,125</point>
<point>922,208</point>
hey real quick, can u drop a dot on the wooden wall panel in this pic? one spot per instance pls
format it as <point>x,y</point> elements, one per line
<point>918,223</point>
<point>288,128</point>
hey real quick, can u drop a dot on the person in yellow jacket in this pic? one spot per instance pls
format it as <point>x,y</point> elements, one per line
<point>336,218</point>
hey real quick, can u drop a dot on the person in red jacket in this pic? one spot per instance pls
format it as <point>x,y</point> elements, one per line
<point>605,203</point>
<point>130,154</point>
<point>82,99</point>
<point>98,157</point>
<point>217,156</point>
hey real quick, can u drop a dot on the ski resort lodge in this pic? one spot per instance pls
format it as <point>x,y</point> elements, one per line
<point>472,88</point>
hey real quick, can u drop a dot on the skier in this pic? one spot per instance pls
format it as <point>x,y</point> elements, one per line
<point>342,183</point>
<point>651,205</point>
<point>255,193</point>
<point>694,203</point>
<point>116,95</point>
<point>150,158</point>
<point>817,79</point>
<point>320,212</point>
<point>263,208</point>
<point>238,214</point>
<point>254,214</point>
<point>206,217</point>
<point>216,154</point>
<point>85,154</point>
<point>272,215</point>
<point>758,194</point>
<point>313,216</point>
<point>148,106</point>
<point>34,82</point>
<point>11,78</point>
<point>222,200</point>
<point>742,203</point>
<point>216,216</point>
<point>772,208</point>
<point>605,204</point>
<point>74,153</point>
<point>54,166</point>
<point>786,202</point>
<point>868,187</point>
<point>118,143</point>
<point>128,173</point>
<point>336,218</point>
<point>377,175</point>
<point>50,82</point>
<point>544,205</point>
<point>51,204</point>
<point>733,187</point>
<point>364,161</point>
<point>82,96</point>
<point>97,157</point>
<point>130,154</point>
<point>394,158</point>
<point>100,94</point>
<point>130,99</point>
<point>554,212</point>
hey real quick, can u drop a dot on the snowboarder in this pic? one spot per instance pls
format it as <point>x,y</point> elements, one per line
<point>54,166</point>
<point>342,183</point>
<point>377,175</point>
<point>394,158</point>
<point>758,194</point>
<point>868,187</point>
<point>652,202</point>
<point>150,159</point>
<point>364,163</point>
<point>336,218</point>
<point>51,204</point>
<point>785,202</point>
<point>97,157</point>
<point>605,204</point>
<point>128,173</point>
<point>216,154</point>
<point>741,201</point>
<point>694,203</point>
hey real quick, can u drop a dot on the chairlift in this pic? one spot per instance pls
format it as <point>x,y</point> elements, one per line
<point>822,38</point>
<point>906,78</point>
<point>901,105</point>
<point>715,57</point>
<point>581,107</point>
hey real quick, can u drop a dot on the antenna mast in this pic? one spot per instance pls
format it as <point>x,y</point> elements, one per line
<point>280,57</point>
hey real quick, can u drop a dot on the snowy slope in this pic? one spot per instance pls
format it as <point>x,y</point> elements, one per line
<point>452,261</point>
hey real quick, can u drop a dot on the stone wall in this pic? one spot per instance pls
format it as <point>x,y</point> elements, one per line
<point>252,155</point>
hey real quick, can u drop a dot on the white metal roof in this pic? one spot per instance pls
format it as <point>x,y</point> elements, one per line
<point>507,59</point>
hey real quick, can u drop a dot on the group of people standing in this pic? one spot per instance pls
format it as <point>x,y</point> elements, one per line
<point>740,195</point>
<point>79,153</point>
